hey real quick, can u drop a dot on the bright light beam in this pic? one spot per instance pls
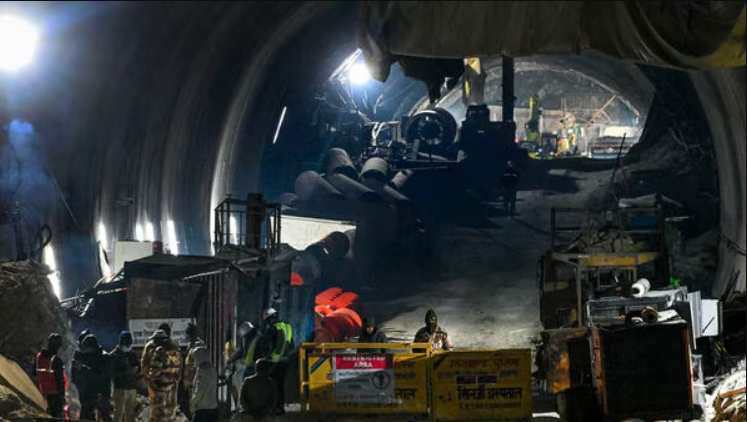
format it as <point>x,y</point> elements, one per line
<point>233,229</point>
<point>54,277</point>
<point>17,43</point>
<point>102,236</point>
<point>150,233</point>
<point>359,74</point>
<point>139,232</point>
<point>172,237</point>
<point>280,123</point>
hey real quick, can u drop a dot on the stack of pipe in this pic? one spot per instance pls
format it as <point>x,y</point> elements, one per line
<point>310,186</point>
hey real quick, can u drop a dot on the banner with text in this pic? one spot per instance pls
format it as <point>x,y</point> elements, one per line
<point>142,329</point>
<point>364,378</point>
<point>482,385</point>
<point>410,386</point>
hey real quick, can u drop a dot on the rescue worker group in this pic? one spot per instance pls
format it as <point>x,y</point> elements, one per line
<point>187,380</point>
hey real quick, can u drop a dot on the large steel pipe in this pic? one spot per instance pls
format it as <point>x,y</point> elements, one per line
<point>388,193</point>
<point>338,161</point>
<point>334,246</point>
<point>375,168</point>
<point>399,179</point>
<point>352,190</point>
<point>287,198</point>
<point>310,186</point>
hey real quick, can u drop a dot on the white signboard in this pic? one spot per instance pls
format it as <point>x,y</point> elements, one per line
<point>127,251</point>
<point>300,232</point>
<point>364,378</point>
<point>142,329</point>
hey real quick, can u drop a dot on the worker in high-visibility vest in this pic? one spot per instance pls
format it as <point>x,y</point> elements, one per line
<point>279,336</point>
<point>50,376</point>
<point>250,347</point>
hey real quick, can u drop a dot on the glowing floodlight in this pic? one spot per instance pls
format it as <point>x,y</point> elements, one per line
<point>17,43</point>
<point>359,74</point>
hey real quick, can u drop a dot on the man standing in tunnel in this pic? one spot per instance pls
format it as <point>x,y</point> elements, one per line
<point>433,333</point>
<point>510,181</point>
<point>279,336</point>
<point>371,333</point>
<point>50,375</point>
<point>190,368</point>
<point>161,364</point>
<point>125,373</point>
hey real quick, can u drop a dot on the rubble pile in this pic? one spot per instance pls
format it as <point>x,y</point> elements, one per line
<point>29,312</point>
<point>14,407</point>
<point>730,398</point>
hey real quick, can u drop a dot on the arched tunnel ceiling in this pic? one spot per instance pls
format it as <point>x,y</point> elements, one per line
<point>149,101</point>
<point>617,77</point>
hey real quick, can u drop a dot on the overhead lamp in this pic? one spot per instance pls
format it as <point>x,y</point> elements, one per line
<point>359,74</point>
<point>17,43</point>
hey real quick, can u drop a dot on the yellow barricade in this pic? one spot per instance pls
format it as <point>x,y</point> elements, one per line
<point>446,386</point>
<point>480,385</point>
<point>336,381</point>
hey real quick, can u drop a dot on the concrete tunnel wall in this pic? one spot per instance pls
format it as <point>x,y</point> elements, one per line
<point>173,105</point>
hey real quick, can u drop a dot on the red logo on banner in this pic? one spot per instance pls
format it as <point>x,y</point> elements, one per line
<point>363,361</point>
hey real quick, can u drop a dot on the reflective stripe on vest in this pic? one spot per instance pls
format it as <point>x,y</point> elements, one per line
<point>249,359</point>
<point>45,375</point>
<point>287,331</point>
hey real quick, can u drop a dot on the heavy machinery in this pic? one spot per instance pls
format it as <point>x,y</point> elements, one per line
<point>618,340</point>
<point>596,256</point>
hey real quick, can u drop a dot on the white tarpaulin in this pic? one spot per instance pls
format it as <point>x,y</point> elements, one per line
<point>300,232</point>
<point>364,378</point>
<point>142,329</point>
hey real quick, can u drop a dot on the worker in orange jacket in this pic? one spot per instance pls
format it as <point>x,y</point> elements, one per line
<point>50,375</point>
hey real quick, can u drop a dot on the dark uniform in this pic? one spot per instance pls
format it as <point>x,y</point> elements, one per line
<point>370,333</point>
<point>92,375</point>
<point>433,333</point>
<point>510,180</point>
<point>259,393</point>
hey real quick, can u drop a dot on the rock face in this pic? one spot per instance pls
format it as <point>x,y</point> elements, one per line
<point>29,312</point>
<point>13,406</point>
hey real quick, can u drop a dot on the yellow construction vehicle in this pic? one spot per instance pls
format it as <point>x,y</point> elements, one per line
<point>594,255</point>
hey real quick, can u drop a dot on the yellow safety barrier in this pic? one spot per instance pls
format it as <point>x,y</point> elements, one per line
<point>336,381</point>
<point>480,385</point>
<point>411,379</point>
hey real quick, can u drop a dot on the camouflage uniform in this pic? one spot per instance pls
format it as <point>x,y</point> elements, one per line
<point>161,364</point>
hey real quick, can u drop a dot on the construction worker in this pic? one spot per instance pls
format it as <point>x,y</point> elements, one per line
<point>203,401</point>
<point>259,392</point>
<point>50,376</point>
<point>433,333</point>
<point>510,181</point>
<point>125,375</point>
<point>91,374</point>
<point>161,364</point>
<point>279,337</point>
<point>190,368</point>
<point>252,346</point>
<point>370,333</point>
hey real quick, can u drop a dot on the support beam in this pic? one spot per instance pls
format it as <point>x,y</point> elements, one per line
<point>508,99</point>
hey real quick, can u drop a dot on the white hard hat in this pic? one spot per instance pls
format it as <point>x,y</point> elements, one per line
<point>268,313</point>
<point>245,328</point>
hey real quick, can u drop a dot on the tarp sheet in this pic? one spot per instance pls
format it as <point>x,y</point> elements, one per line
<point>686,34</point>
